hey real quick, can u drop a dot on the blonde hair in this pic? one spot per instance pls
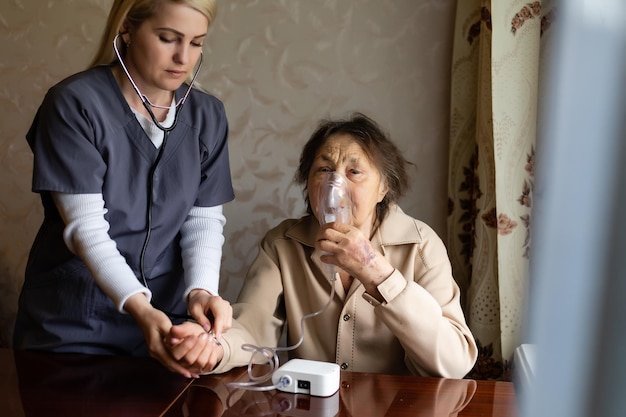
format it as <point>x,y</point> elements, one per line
<point>135,12</point>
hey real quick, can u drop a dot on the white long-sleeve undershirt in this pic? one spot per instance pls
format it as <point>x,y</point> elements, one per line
<point>86,235</point>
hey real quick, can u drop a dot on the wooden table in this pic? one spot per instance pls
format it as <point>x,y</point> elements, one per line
<point>43,384</point>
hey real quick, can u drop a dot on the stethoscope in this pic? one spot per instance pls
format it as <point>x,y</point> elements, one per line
<point>146,101</point>
<point>166,130</point>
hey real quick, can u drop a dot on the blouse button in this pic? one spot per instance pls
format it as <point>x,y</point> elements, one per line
<point>344,366</point>
<point>346,317</point>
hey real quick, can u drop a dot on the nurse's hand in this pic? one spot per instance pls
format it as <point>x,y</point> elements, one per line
<point>211,312</point>
<point>155,326</point>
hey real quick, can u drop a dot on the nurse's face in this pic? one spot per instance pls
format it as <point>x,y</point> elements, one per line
<point>164,49</point>
<point>342,153</point>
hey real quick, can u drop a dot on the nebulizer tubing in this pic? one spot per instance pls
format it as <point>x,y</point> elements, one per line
<point>335,205</point>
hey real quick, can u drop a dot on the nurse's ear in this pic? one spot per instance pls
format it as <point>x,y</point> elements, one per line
<point>125,33</point>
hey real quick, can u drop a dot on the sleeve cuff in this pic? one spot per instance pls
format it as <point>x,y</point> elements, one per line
<point>372,300</point>
<point>389,289</point>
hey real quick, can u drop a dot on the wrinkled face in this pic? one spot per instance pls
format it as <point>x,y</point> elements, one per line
<point>164,49</point>
<point>342,153</point>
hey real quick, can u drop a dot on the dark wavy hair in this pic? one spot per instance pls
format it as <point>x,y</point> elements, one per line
<point>375,143</point>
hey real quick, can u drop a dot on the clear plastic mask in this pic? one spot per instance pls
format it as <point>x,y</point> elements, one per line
<point>335,201</point>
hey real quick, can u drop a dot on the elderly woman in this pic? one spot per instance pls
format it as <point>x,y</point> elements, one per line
<point>395,305</point>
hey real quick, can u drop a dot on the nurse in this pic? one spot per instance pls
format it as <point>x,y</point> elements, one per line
<point>131,164</point>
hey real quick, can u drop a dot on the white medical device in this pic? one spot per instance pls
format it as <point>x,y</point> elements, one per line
<point>303,376</point>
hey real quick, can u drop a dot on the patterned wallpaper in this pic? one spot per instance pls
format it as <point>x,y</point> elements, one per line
<point>278,66</point>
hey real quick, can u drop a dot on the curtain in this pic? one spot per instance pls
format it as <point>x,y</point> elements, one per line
<point>493,123</point>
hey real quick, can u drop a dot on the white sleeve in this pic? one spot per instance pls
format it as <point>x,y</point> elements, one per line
<point>202,237</point>
<point>87,235</point>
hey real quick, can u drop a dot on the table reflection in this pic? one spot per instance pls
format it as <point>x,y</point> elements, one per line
<point>376,395</point>
<point>203,402</point>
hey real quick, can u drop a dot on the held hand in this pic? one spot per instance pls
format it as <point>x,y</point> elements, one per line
<point>202,304</point>
<point>346,247</point>
<point>194,348</point>
<point>155,326</point>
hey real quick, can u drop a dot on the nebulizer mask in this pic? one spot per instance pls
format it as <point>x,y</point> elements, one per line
<point>335,203</point>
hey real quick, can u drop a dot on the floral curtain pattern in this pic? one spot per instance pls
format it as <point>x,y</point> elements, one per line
<point>495,78</point>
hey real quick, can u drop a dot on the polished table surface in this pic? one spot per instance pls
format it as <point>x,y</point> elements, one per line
<point>44,384</point>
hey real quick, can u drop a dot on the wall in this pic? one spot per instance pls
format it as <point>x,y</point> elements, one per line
<point>279,66</point>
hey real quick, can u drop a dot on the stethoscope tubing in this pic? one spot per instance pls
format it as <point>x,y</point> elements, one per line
<point>166,130</point>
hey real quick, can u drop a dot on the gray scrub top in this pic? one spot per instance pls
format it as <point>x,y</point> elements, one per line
<point>86,139</point>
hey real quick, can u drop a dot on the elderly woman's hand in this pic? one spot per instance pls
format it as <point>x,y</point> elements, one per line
<point>194,348</point>
<point>346,247</point>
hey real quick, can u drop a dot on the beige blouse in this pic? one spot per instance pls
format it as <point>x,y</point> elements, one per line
<point>419,328</point>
